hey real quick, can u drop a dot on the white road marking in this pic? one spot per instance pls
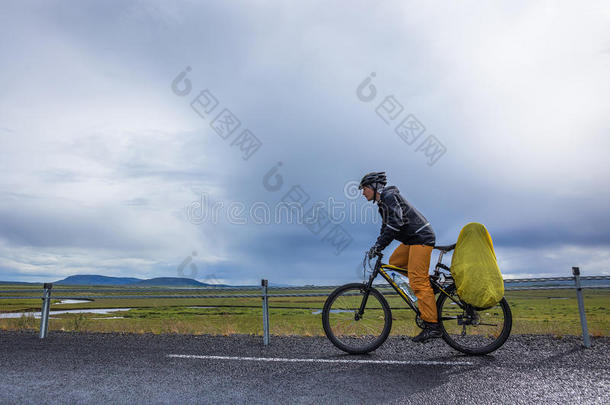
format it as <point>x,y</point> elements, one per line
<point>280,359</point>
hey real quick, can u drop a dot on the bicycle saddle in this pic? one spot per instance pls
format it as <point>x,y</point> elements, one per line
<point>445,248</point>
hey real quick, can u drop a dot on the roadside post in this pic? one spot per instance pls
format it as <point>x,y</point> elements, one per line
<point>264,284</point>
<point>581,307</point>
<point>44,314</point>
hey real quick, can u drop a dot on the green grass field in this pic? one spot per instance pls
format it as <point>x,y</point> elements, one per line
<point>552,312</point>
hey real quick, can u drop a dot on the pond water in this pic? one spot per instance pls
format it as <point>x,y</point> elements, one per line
<point>71,302</point>
<point>332,311</point>
<point>66,311</point>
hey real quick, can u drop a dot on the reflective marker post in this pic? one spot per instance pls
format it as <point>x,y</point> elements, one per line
<point>581,307</point>
<point>44,314</point>
<point>264,284</point>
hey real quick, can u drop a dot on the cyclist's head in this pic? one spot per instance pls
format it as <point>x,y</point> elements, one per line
<point>373,181</point>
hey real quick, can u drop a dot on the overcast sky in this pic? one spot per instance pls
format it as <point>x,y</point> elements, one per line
<point>107,167</point>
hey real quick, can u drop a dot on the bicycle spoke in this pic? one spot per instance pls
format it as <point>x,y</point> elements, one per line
<point>471,331</point>
<point>356,335</point>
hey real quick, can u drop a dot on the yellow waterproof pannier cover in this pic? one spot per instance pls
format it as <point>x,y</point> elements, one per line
<point>475,269</point>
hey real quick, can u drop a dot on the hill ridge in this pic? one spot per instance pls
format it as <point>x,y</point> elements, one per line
<point>96,279</point>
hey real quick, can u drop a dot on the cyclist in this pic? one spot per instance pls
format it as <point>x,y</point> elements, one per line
<point>401,221</point>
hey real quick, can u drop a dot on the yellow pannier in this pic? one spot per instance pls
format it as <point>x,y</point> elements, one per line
<point>475,269</point>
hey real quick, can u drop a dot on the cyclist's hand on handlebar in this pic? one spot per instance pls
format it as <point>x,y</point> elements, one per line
<point>374,251</point>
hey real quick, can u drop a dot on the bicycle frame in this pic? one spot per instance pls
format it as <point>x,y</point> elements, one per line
<point>465,328</point>
<point>381,268</point>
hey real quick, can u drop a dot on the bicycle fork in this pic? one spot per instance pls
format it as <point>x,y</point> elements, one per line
<point>365,296</point>
<point>367,290</point>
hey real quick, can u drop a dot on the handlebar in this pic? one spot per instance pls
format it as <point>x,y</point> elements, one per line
<point>367,260</point>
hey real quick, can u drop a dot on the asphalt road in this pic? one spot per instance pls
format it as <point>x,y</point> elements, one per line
<point>124,368</point>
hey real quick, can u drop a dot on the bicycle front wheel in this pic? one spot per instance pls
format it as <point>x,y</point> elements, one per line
<point>349,332</point>
<point>470,331</point>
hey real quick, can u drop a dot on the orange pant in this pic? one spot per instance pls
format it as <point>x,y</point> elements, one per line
<point>416,259</point>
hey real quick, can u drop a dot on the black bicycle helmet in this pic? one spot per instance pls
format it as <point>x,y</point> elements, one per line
<point>373,180</point>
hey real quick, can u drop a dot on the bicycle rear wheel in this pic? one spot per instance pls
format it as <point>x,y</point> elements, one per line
<point>471,331</point>
<point>348,332</point>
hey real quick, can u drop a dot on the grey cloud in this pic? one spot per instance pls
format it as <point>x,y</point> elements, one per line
<point>137,202</point>
<point>290,72</point>
<point>59,175</point>
<point>49,223</point>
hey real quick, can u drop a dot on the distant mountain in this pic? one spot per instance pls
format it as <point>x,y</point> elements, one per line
<point>570,283</point>
<point>280,285</point>
<point>175,282</point>
<point>92,279</point>
<point>19,283</point>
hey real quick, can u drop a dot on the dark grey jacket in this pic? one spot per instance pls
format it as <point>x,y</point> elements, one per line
<point>401,221</point>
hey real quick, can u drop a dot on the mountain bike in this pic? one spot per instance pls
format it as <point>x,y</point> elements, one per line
<point>357,318</point>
